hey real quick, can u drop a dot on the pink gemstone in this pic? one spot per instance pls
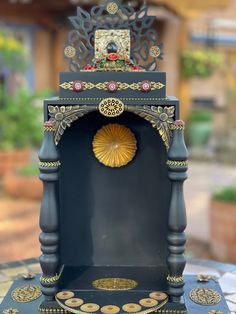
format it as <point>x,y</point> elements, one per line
<point>78,86</point>
<point>112,86</point>
<point>145,86</point>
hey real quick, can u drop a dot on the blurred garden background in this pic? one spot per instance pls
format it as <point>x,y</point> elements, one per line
<point>200,60</point>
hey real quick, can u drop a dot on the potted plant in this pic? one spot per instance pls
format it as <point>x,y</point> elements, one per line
<point>23,183</point>
<point>20,129</point>
<point>199,127</point>
<point>223,224</point>
<point>200,63</point>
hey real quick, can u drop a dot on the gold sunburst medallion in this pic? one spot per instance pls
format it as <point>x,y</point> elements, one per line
<point>114,145</point>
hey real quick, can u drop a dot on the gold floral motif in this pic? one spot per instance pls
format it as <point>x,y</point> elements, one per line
<point>114,284</point>
<point>205,296</point>
<point>103,86</point>
<point>114,145</point>
<point>155,51</point>
<point>26,293</point>
<point>28,276</point>
<point>10,311</point>
<point>111,107</point>
<point>112,8</point>
<point>215,312</point>
<point>175,279</point>
<point>70,51</point>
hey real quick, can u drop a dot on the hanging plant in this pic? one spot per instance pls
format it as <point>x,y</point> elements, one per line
<point>12,53</point>
<point>200,63</point>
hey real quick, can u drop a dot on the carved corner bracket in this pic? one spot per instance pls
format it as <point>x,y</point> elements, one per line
<point>63,116</point>
<point>160,117</point>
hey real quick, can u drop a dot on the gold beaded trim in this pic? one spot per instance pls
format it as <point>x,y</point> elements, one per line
<point>48,164</point>
<point>173,311</point>
<point>175,279</point>
<point>103,86</point>
<point>101,98</point>
<point>177,163</point>
<point>52,279</point>
<point>45,310</point>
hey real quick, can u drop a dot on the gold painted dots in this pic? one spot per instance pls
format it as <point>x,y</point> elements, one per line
<point>110,309</point>
<point>90,307</point>
<point>70,51</point>
<point>157,295</point>
<point>114,145</point>
<point>74,302</point>
<point>155,51</point>
<point>111,107</point>
<point>131,307</point>
<point>112,8</point>
<point>64,295</point>
<point>148,302</point>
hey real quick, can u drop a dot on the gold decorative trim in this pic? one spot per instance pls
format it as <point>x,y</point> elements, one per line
<point>104,86</point>
<point>48,164</point>
<point>215,312</point>
<point>155,51</point>
<point>114,284</point>
<point>10,311</point>
<point>49,129</point>
<point>52,279</point>
<point>205,296</point>
<point>122,98</point>
<point>173,311</point>
<point>147,311</point>
<point>51,310</point>
<point>114,145</point>
<point>177,163</point>
<point>111,107</point>
<point>26,293</point>
<point>64,116</point>
<point>160,117</point>
<point>175,279</point>
<point>177,127</point>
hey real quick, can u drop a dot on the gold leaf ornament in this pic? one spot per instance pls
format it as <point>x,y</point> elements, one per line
<point>114,145</point>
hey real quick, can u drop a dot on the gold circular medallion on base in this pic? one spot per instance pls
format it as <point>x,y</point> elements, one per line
<point>205,296</point>
<point>148,302</point>
<point>114,284</point>
<point>69,51</point>
<point>26,293</point>
<point>131,307</point>
<point>90,307</point>
<point>158,295</point>
<point>114,145</point>
<point>154,51</point>
<point>110,309</point>
<point>64,295</point>
<point>74,302</point>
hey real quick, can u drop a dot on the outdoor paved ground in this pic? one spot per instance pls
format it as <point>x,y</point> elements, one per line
<point>19,219</point>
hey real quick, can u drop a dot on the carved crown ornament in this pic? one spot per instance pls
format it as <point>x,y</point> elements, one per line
<point>161,117</point>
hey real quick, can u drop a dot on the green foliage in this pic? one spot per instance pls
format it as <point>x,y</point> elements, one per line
<point>29,170</point>
<point>12,53</point>
<point>20,123</point>
<point>201,63</point>
<point>227,194</point>
<point>200,115</point>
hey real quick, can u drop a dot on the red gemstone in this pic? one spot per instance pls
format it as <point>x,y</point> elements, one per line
<point>112,86</point>
<point>78,86</point>
<point>112,56</point>
<point>145,86</point>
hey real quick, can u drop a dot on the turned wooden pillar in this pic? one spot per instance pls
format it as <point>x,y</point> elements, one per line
<point>49,238</point>
<point>177,172</point>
